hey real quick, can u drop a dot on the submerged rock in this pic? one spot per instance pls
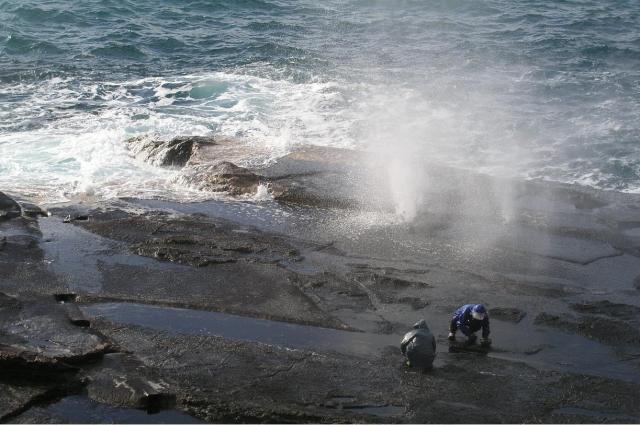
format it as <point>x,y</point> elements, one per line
<point>175,152</point>
<point>221,177</point>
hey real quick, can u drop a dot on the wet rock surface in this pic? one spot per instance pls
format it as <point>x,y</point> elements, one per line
<point>9,208</point>
<point>175,152</point>
<point>122,380</point>
<point>206,162</point>
<point>196,241</point>
<point>606,330</point>
<point>40,334</point>
<point>508,314</point>
<point>346,388</point>
<point>32,210</point>
<point>14,398</point>
<point>286,312</point>
<point>199,241</point>
<point>323,178</point>
<point>78,409</point>
<point>220,177</point>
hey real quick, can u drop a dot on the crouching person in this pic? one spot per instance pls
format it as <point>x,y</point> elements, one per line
<point>469,319</point>
<point>419,346</point>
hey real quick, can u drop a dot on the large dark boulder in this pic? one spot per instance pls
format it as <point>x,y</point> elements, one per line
<point>220,177</point>
<point>8,207</point>
<point>32,210</point>
<point>175,152</point>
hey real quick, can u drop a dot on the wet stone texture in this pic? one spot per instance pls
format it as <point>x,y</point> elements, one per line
<point>606,330</point>
<point>14,398</point>
<point>333,292</point>
<point>9,208</point>
<point>174,152</point>
<point>196,241</point>
<point>507,314</point>
<point>121,380</point>
<point>220,266</point>
<point>40,334</point>
<point>220,177</point>
<point>300,386</point>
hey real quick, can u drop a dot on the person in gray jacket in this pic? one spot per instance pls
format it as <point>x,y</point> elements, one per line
<point>419,346</point>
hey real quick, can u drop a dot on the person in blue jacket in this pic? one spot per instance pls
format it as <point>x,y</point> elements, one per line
<point>469,319</point>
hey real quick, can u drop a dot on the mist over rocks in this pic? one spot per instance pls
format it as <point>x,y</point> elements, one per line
<point>191,296</point>
<point>327,177</point>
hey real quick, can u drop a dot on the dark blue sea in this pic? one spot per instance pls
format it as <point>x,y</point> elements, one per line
<point>526,89</point>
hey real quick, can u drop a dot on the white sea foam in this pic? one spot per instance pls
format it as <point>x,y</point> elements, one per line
<point>65,138</point>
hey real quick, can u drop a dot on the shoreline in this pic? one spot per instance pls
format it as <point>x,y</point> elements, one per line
<point>557,267</point>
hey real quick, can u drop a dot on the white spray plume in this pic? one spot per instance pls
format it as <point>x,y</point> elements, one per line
<point>407,186</point>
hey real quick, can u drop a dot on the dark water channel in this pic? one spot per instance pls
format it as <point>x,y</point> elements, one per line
<point>76,255</point>
<point>539,347</point>
<point>80,409</point>
<point>196,322</point>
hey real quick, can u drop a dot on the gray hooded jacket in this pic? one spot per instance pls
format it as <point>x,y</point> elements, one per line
<point>419,345</point>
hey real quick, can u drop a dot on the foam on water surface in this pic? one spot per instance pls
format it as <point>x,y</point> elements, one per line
<point>63,154</point>
<point>541,91</point>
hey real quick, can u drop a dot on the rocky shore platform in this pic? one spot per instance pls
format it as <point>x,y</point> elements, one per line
<point>291,309</point>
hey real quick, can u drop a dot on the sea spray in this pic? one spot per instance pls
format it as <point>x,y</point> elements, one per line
<point>407,184</point>
<point>510,89</point>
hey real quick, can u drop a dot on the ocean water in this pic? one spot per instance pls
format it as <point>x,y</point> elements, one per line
<point>531,89</point>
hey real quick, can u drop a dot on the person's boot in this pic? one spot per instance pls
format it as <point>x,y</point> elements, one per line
<point>452,336</point>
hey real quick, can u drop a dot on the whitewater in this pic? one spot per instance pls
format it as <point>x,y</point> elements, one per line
<point>545,90</point>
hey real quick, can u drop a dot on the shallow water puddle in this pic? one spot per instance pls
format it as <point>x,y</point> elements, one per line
<point>552,349</point>
<point>196,322</point>
<point>383,411</point>
<point>72,254</point>
<point>268,216</point>
<point>80,409</point>
<point>76,254</point>
<point>599,416</point>
<point>546,349</point>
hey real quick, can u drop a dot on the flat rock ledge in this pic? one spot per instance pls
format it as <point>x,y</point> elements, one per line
<point>39,334</point>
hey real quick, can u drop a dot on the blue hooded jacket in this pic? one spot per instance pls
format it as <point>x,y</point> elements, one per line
<point>463,320</point>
